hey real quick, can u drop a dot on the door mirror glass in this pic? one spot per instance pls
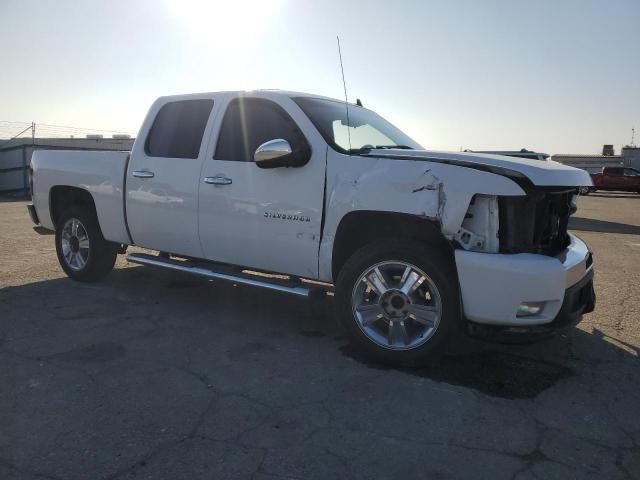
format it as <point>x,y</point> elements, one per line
<point>274,153</point>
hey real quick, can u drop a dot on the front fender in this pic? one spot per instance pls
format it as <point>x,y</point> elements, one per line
<point>436,191</point>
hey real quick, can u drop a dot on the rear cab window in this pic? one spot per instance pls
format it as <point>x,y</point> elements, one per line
<point>178,129</point>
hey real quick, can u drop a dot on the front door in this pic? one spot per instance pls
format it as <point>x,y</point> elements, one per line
<point>163,178</point>
<point>265,219</point>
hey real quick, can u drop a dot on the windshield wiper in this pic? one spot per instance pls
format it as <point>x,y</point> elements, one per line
<point>368,148</point>
<point>401,147</point>
<point>360,150</point>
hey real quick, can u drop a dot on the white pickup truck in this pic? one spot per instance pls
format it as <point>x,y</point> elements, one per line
<point>418,245</point>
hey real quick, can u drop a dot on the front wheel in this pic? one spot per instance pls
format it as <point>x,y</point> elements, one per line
<point>83,253</point>
<point>399,301</point>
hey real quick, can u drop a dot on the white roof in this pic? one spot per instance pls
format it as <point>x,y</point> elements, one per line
<point>284,93</point>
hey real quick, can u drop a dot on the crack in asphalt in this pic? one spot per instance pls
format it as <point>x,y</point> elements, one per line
<point>530,459</point>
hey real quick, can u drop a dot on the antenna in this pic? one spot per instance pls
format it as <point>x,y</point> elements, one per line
<point>633,134</point>
<point>346,102</point>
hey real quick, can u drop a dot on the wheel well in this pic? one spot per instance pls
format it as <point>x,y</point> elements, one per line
<point>63,197</point>
<point>357,229</point>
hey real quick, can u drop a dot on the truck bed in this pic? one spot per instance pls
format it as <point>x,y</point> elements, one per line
<point>100,173</point>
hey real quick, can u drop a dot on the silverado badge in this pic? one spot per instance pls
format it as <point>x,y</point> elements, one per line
<point>284,216</point>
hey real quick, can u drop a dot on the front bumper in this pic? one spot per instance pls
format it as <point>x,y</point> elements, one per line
<point>493,286</point>
<point>578,300</point>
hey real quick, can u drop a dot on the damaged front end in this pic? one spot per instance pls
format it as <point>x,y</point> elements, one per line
<point>536,223</point>
<point>541,276</point>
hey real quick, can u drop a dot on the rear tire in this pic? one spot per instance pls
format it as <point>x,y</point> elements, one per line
<point>83,253</point>
<point>406,317</point>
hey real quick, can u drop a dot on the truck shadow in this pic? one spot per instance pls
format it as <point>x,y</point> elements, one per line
<point>490,369</point>
<point>256,327</point>
<point>593,225</point>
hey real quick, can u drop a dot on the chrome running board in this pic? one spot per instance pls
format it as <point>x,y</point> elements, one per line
<point>221,272</point>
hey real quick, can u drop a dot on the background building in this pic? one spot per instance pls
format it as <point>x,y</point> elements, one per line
<point>629,157</point>
<point>15,155</point>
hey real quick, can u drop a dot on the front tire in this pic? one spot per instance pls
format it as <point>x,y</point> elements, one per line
<point>399,301</point>
<point>83,253</point>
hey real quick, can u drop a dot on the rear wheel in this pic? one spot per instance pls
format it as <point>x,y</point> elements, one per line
<point>83,253</point>
<point>399,301</point>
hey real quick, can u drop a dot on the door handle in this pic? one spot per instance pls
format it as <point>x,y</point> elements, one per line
<point>219,180</point>
<point>143,174</point>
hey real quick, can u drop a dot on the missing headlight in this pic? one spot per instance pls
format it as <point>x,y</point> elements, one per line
<point>479,230</point>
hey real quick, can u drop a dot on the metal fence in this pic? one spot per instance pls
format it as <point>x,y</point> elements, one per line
<point>25,138</point>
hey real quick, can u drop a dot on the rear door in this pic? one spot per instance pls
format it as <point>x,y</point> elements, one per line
<point>266,219</point>
<point>163,176</point>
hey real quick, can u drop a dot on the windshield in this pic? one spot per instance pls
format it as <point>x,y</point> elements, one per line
<point>367,129</point>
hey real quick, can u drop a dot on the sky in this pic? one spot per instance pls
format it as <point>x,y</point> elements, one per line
<point>557,76</point>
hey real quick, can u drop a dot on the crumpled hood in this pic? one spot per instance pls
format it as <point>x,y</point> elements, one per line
<point>539,172</point>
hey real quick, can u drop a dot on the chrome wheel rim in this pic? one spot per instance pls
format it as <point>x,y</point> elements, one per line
<point>74,241</point>
<point>396,305</point>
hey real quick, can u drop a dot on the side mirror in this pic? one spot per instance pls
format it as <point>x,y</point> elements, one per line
<point>274,153</point>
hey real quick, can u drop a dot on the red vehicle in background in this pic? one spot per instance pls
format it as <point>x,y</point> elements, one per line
<point>623,179</point>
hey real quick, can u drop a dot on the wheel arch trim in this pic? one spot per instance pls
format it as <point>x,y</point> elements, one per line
<point>386,224</point>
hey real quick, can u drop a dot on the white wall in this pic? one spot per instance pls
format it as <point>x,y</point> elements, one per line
<point>588,163</point>
<point>631,157</point>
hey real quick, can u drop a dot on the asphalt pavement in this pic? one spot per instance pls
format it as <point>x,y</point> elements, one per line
<point>155,374</point>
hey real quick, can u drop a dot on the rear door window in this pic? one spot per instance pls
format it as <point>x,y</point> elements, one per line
<point>178,129</point>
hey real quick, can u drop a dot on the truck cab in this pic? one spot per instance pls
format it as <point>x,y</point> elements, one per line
<point>194,189</point>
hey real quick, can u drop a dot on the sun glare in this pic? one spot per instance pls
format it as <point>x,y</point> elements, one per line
<point>237,23</point>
